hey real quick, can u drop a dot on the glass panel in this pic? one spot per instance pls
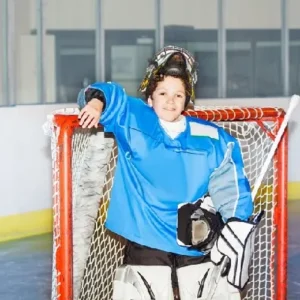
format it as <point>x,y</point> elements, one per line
<point>295,64</point>
<point>25,56</point>
<point>253,48</point>
<point>129,41</point>
<point>239,69</point>
<point>128,65</point>
<point>268,75</point>
<point>294,26</point>
<point>69,48</point>
<point>2,96</point>
<point>197,32</point>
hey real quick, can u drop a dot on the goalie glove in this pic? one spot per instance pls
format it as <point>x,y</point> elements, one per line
<point>235,243</point>
<point>198,224</point>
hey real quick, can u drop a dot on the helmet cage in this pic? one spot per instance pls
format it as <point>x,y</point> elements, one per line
<point>161,58</point>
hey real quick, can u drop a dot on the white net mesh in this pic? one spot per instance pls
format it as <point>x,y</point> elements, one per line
<point>97,252</point>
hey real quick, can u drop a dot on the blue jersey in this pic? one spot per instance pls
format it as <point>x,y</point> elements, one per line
<point>155,173</point>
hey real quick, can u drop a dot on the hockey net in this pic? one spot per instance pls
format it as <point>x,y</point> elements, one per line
<point>85,254</point>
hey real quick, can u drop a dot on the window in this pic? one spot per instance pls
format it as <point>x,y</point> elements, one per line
<point>69,48</point>
<point>268,74</point>
<point>127,56</point>
<point>295,67</point>
<point>294,34</point>
<point>2,79</point>
<point>74,63</point>
<point>253,49</point>
<point>239,69</point>
<point>195,31</point>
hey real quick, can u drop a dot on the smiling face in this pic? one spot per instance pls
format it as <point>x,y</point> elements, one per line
<point>168,99</point>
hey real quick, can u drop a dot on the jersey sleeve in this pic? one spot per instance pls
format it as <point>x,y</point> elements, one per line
<point>229,187</point>
<point>116,103</point>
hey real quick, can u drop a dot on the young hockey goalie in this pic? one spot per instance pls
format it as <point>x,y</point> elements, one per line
<point>180,194</point>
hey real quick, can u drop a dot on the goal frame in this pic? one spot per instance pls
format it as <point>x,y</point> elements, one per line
<point>67,124</point>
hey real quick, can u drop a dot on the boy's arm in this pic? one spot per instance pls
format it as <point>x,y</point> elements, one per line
<point>230,191</point>
<point>229,187</point>
<point>108,99</point>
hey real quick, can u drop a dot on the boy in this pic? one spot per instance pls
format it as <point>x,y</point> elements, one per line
<point>167,165</point>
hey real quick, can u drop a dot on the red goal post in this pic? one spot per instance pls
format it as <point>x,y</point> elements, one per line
<point>255,128</point>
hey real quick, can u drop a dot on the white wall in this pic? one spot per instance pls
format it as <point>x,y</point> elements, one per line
<point>129,14</point>
<point>25,157</point>
<point>132,14</point>
<point>199,14</point>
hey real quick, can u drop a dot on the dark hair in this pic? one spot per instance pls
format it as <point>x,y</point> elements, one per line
<point>174,67</point>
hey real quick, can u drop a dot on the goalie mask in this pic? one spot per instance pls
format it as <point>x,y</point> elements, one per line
<point>172,61</point>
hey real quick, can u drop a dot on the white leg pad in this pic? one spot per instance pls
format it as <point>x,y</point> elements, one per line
<point>190,277</point>
<point>142,283</point>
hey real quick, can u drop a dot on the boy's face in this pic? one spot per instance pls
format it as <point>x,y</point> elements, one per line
<point>168,99</point>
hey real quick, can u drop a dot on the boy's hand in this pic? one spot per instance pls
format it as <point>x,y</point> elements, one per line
<point>89,116</point>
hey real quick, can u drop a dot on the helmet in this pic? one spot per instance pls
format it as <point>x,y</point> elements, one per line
<point>162,60</point>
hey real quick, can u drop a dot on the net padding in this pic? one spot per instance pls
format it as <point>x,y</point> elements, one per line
<point>97,252</point>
